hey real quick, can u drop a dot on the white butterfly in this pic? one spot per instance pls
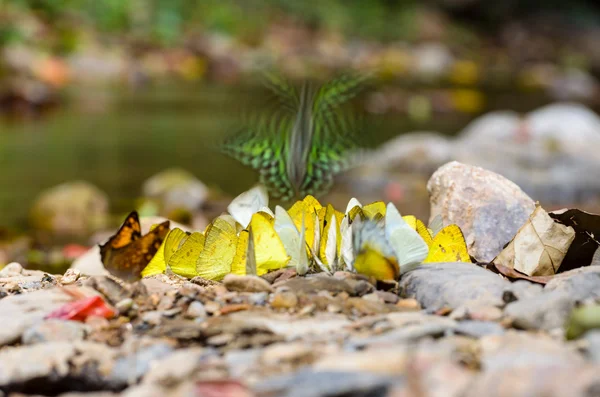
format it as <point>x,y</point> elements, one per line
<point>246,204</point>
<point>293,241</point>
<point>409,247</point>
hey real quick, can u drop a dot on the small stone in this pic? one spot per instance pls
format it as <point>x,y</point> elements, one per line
<point>408,304</point>
<point>366,306</point>
<point>360,287</point>
<point>477,329</point>
<point>70,277</point>
<point>171,312</point>
<point>153,317</point>
<point>124,305</point>
<point>284,300</point>
<point>220,340</point>
<point>212,307</point>
<point>258,298</point>
<point>236,307</point>
<point>388,297</point>
<point>373,297</point>
<point>11,270</point>
<point>246,283</point>
<point>334,308</point>
<point>53,330</point>
<point>288,352</point>
<point>196,310</point>
<point>316,284</point>
<point>306,310</point>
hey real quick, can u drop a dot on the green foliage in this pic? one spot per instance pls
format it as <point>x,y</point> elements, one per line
<point>165,21</point>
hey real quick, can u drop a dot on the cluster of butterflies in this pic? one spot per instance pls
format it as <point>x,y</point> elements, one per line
<point>374,240</point>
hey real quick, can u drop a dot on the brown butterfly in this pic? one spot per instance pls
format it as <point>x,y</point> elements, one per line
<point>127,253</point>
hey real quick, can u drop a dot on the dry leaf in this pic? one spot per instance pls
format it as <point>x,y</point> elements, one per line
<point>513,274</point>
<point>539,246</point>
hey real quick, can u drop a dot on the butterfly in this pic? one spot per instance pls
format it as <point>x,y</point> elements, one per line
<point>448,245</point>
<point>127,253</point>
<point>304,142</point>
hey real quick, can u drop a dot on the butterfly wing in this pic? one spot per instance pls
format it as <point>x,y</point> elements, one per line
<point>448,246</point>
<point>129,231</point>
<point>262,146</point>
<point>127,262</point>
<point>246,204</point>
<point>409,246</point>
<point>335,139</point>
<point>373,255</point>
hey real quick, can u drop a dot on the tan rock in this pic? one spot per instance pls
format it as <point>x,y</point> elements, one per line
<point>487,207</point>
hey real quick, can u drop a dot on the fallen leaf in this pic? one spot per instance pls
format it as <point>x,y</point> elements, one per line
<point>222,388</point>
<point>539,246</point>
<point>81,309</point>
<point>512,273</point>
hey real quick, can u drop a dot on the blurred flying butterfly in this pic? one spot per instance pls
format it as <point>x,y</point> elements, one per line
<point>127,253</point>
<point>309,138</point>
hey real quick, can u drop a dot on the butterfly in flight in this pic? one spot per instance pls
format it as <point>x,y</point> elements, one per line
<point>306,140</point>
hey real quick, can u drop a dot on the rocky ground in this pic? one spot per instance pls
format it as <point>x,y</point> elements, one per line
<point>444,329</point>
<point>448,329</point>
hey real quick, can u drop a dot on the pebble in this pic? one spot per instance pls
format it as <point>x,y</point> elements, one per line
<point>246,283</point>
<point>408,304</point>
<point>196,310</point>
<point>53,330</point>
<point>477,329</point>
<point>212,307</point>
<point>284,300</point>
<point>70,277</point>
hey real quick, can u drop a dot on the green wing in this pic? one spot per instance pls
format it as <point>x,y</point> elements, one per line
<point>336,133</point>
<point>262,147</point>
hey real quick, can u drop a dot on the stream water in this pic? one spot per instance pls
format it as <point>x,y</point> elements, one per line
<point>116,138</point>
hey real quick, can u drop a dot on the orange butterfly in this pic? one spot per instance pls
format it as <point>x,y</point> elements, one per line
<point>127,253</point>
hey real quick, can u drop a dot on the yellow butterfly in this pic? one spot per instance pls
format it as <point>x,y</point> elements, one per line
<point>448,245</point>
<point>374,256</point>
<point>220,246</point>
<point>158,265</point>
<point>269,251</point>
<point>307,209</point>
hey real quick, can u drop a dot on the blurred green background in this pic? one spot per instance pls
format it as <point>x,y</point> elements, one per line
<point>115,91</point>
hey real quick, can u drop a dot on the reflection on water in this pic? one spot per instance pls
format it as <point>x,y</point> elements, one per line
<point>117,139</point>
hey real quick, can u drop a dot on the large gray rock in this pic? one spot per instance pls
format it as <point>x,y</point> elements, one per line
<point>551,308</point>
<point>453,285</point>
<point>487,207</point>
<point>417,151</point>
<point>546,311</point>
<point>549,153</point>
<point>579,284</point>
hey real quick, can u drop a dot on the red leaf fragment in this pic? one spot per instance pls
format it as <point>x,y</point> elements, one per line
<point>81,309</point>
<point>222,388</point>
